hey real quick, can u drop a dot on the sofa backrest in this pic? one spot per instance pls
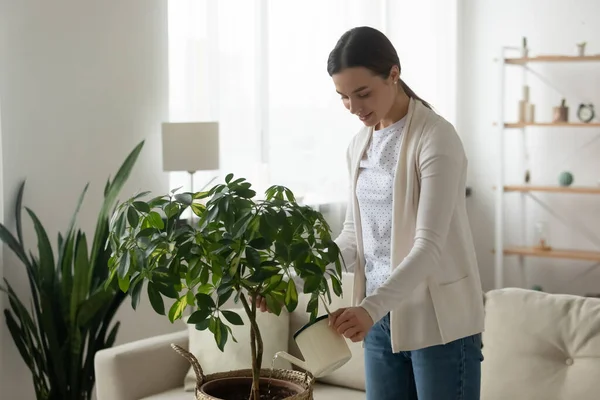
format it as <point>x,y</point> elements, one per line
<point>540,346</point>
<point>350,375</point>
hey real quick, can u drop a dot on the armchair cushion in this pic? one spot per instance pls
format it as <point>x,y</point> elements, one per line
<point>540,346</point>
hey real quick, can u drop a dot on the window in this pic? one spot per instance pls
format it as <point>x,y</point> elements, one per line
<point>259,68</point>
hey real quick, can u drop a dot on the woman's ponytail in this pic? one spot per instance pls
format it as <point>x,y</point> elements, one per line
<point>411,93</point>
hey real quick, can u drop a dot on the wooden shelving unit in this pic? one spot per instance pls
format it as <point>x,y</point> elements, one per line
<point>502,249</point>
<point>513,125</point>
<point>553,189</point>
<point>551,59</point>
<point>553,253</point>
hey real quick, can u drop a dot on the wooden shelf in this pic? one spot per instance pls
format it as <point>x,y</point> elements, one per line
<point>558,253</point>
<point>553,124</point>
<point>551,58</point>
<point>553,189</point>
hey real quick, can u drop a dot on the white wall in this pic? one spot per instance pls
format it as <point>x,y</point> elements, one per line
<point>81,82</point>
<point>2,298</point>
<point>551,26</point>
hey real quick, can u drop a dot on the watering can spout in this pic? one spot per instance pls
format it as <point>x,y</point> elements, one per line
<point>288,357</point>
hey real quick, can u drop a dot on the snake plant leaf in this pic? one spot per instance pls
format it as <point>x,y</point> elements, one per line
<point>14,245</point>
<point>110,198</point>
<point>18,206</point>
<point>46,255</point>
<point>81,283</point>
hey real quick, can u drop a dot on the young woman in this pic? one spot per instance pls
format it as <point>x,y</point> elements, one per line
<point>418,302</point>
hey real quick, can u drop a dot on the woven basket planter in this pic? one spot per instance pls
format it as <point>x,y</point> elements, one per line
<point>221,382</point>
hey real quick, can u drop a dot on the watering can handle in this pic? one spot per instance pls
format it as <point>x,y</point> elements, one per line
<point>200,377</point>
<point>296,361</point>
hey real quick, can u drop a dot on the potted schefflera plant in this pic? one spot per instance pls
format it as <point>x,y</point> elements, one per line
<point>238,248</point>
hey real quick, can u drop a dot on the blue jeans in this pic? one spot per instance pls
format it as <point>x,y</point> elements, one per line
<point>443,372</point>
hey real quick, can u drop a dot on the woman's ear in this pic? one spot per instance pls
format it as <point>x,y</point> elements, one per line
<point>394,74</point>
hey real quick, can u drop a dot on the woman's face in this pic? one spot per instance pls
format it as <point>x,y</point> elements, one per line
<point>365,94</point>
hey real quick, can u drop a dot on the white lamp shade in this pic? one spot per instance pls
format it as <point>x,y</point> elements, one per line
<point>190,146</point>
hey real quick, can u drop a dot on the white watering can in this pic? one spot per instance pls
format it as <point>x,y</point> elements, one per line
<point>324,350</point>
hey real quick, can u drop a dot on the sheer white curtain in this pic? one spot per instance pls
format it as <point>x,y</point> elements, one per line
<point>259,68</point>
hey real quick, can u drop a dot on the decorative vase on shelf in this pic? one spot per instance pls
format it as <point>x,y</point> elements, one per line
<point>541,230</point>
<point>565,179</point>
<point>561,113</point>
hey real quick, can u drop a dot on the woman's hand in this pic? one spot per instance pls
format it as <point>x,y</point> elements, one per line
<point>261,304</point>
<point>352,322</point>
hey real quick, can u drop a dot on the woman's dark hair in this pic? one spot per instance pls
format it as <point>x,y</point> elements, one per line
<point>369,48</point>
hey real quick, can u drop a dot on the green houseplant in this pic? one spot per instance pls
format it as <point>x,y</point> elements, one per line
<point>71,307</point>
<point>240,246</point>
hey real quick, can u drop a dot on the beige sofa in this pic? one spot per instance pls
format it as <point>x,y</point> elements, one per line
<point>536,346</point>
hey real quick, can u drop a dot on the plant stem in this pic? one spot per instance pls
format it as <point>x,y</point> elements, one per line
<point>256,345</point>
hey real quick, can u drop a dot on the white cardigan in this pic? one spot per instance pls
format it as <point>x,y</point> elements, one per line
<point>434,293</point>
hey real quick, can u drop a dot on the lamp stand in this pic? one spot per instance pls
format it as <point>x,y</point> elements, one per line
<point>191,222</point>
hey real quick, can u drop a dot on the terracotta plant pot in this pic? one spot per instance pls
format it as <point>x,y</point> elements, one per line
<point>275,384</point>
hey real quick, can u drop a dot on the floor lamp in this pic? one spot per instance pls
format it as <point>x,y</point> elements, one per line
<point>190,147</point>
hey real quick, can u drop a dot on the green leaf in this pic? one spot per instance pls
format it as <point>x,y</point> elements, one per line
<point>190,298</point>
<point>228,178</point>
<point>81,283</point>
<point>246,193</point>
<point>233,317</point>
<point>167,289</point>
<point>224,295</point>
<point>199,316</point>
<point>291,296</point>
<point>207,288</point>
<point>312,283</point>
<point>253,257</point>
<point>204,301</point>
<point>337,286</point>
<point>18,207</point>
<point>135,294</point>
<point>239,228</point>
<point>275,302</point>
<point>90,308</point>
<point>260,243</point>
<point>141,206</point>
<point>124,265</point>
<point>156,299</point>
<point>110,199</point>
<point>221,334</point>
<point>171,210</point>
<point>132,217</point>
<point>146,233</point>
<point>273,282</point>
<point>177,309</point>
<point>203,325</point>
<point>45,252</point>
<point>124,283</point>
<point>185,198</point>
<point>312,307</point>
<point>299,250</point>
<point>198,209</point>
<point>155,220</point>
<point>308,269</point>
<point>201,195</point>
<point>15,246</point>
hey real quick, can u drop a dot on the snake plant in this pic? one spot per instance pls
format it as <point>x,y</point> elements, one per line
<point>71,313</point>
